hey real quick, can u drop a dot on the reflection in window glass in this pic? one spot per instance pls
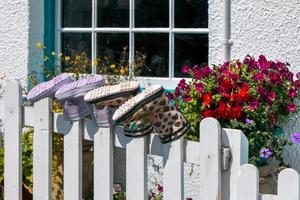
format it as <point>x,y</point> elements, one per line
<point>77,13</point>
<point>190,49</point>
<point>112,50</point>
<point>155,48</point>
<point>77,44</point>
<point>191,13</point>
<point>113,13</point>
<point>151,13</point>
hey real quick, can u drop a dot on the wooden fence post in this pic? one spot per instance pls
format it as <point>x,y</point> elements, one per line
<point>42,150</point>
<point>136,169</point>
<point>238,144</point>
<point>13,119</point>
<point>103,163</point>
<point>173,174</point>
<point>73,162</point>
<point>288,185</point>
<point>247,183</point>
<point>210,159</point>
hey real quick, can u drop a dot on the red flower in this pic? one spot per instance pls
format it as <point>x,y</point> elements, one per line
<point>236,112</point>
<point>207,99</point>
<point>207,113</point>
<point>243,94</point>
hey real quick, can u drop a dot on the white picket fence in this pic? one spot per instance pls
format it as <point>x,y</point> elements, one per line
<point>221,154</point>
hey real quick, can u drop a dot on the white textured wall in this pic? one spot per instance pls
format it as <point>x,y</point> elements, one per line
<point>14,26</point>
<point>269,27</point>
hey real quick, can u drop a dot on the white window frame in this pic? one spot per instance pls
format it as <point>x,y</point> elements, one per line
<point>169,82</point>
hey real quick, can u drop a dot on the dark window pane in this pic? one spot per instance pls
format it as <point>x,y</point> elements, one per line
<point>190,49</point>
<point>77,44</point>
<point>77,13</point>
<point>152,13</point>
<point>113,50</point>
<point>113,13</point>
<point>156,49</point>
<point>191,13</point>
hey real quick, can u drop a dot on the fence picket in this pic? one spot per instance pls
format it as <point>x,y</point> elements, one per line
<point>173,177</point>
<point>73,162</point>
<point>238,144</point>
<point>210,159</point>
<point>103,163</point>
<point>247,183</point>
<point>288,185</point>
<point>13,141</point>
<point>136,169</point>
<point>42,150</point>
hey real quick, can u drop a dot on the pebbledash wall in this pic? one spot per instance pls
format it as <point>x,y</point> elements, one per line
<point>270,27</point>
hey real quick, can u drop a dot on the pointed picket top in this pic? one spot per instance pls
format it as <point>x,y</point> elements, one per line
<point>248,183</point>
<point>289,185</point>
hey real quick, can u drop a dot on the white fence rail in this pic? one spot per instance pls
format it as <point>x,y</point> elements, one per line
<point>220,153</point>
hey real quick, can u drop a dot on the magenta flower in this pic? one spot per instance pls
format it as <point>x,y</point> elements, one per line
<point>160,188</point>
<point>295,137</point>
<point>258,77</point>
<point>170,95</point>
<point>292,92</point>
<point>186,98</point>
<point>263,63</point>
<point>254,105</point>
<point>271,96</point>
<point>199,87</point>
<point>291,107</point>
<point>185,69</point>
<point>182,84</point>
<point>265,153</point>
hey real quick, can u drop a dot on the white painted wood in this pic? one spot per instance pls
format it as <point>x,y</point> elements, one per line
<point>173,174</point>
<point>73,162</point>
<point>136,169</point>
<point>210,159</point>
<point>267,197</point>
<point>288,185</point>
<point>13,141</point>
<point>42,150</point>
<point>238,144</point>
<point>103,163</point>
<point>247,183</point>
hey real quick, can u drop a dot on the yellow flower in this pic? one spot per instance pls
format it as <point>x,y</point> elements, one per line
<point>123,71</point>
<point>77,57</point>
<point>95,62</point>
<point>67,58</point>
<point>40,45</point>
<point>112,66</point>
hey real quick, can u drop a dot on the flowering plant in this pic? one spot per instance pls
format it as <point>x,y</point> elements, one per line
<point>251,95</point>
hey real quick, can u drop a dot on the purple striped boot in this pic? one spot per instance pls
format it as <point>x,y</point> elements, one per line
<point>48,89</point>
<point>71,96</point>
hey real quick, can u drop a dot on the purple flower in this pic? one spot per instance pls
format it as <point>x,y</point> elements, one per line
<point>249,121</point>
<point>265,153</point>
<point>160,188</point>
<point>295,137</point>
<point>291,107</point>
<point>199,87</point>
<point>185,69</point>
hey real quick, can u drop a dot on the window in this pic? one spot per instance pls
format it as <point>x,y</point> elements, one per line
<point>171,33</point>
